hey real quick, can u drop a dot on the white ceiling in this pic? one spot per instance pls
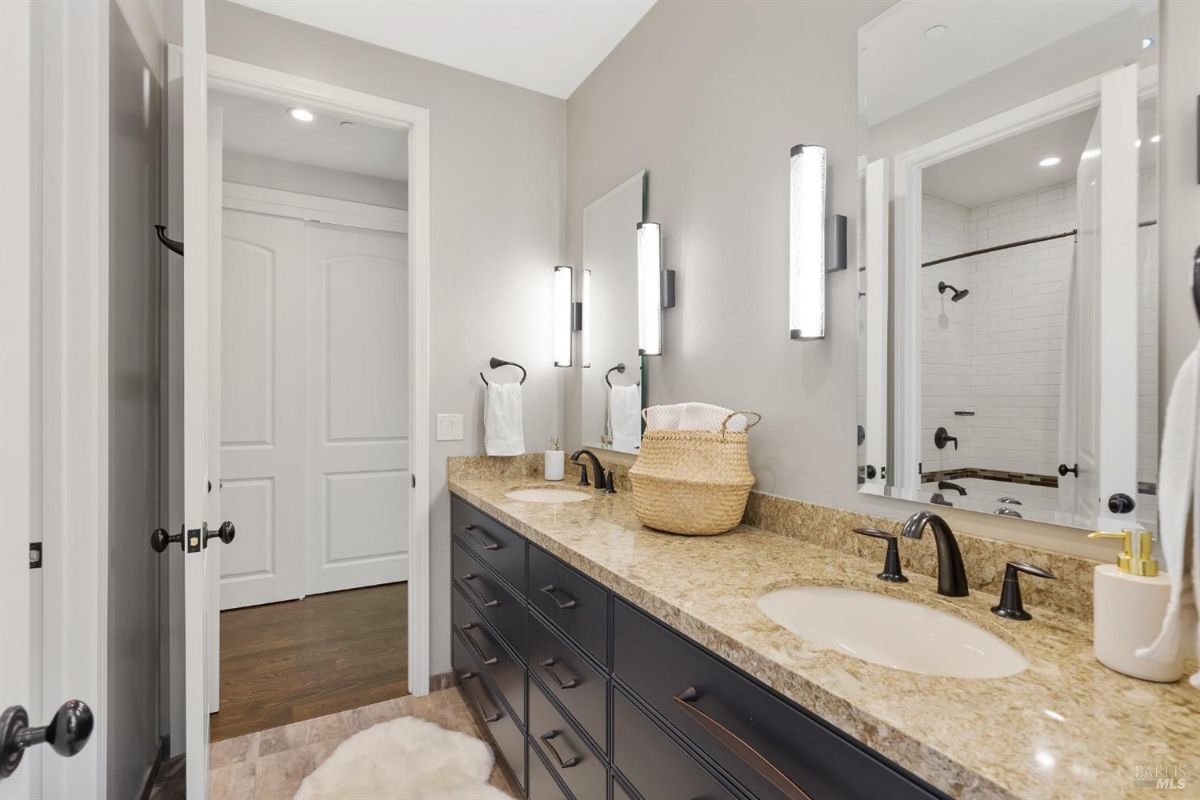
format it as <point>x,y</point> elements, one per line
<point>1009,168</point>
<point>263,128</point>
<point>548,46</point>
<point>900,67</point>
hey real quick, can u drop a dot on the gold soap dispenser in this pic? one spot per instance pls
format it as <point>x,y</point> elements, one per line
<point>1129,602</point>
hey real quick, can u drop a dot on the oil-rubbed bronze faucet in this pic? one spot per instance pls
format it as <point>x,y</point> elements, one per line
<point>952,578</point>
<point>597,471</point>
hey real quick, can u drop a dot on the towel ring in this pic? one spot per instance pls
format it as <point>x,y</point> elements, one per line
<point>619,368</point>
<point>496,363</point>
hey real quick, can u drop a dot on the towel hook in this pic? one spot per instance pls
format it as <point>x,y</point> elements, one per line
<point>167,242</point>
<point>620,368</point>
<point>1196,281</point>
<point>496,363</point>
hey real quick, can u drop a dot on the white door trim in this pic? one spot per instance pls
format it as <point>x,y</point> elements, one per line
<point>313,208</point>
<point>248,79</point>
<point>73,298</point>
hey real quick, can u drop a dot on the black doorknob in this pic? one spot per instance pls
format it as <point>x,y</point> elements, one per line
<point>160,539</point>
<point>225,533</point>
<point>68,731</point>
<point>1121,503</point>
<point>1064,470</point>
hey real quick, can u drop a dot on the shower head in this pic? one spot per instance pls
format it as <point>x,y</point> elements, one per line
<point>959,294</point>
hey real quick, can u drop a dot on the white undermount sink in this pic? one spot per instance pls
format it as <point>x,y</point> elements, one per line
<point>547,494</point>
<point>892,632</point>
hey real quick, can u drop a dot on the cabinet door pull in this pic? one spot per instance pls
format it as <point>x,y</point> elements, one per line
<point>550,590</point>
<point>487,660</point>
<point>481,539</point>
<point>493,716</point>
<point>738,746</point>
<point>567,764</point>
<point>548,666</point>
<point>483,601</point>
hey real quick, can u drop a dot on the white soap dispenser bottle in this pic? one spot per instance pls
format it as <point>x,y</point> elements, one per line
<point>1129,602</point>
<point>555,461</point>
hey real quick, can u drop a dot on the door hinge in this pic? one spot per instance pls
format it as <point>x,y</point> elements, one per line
<point>35,555</point>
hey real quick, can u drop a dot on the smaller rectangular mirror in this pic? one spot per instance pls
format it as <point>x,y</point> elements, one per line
<point>613,389</point>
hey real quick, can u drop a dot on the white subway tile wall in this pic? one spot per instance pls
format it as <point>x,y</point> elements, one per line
<point>998,352</point>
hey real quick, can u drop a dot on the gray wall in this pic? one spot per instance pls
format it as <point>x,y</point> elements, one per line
<point>498,160</point>
<point>131,710</point>
<point>709,97</point>
<point>291,176</point>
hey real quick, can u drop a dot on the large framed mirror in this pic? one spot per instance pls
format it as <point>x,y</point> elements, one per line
<point>1008,296</point>
<point>613,376</point>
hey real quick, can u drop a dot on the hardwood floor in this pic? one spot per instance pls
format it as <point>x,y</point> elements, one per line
<point>287,662</point>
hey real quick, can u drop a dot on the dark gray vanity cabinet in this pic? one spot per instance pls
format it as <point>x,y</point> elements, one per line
<point>588,698</point>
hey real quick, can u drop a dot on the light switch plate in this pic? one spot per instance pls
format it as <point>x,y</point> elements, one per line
<point>449,427</point>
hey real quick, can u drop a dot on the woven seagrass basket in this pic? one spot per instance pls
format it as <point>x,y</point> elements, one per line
<point>693,482</point>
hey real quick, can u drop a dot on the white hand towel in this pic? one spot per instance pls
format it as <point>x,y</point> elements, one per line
<point>503,431</point>
<point>1179,498</point>
<point>625,411</point>
<point>705,417</point>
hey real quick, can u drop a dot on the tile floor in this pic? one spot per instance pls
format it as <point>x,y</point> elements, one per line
<point>270,764</point>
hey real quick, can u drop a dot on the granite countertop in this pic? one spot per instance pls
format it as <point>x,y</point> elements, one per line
<point>1066,727</point>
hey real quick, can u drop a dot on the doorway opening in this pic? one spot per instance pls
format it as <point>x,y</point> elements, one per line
<point>315,461</point>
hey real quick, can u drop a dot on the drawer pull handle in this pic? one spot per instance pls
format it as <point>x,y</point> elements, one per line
<point>480,537</point>
<point>738,746</point>
<point>483,601</point>
<point>548,666</point>
<point>466,629</point>
<point>492,717</point>
<point>551,589</point>
<point>567,764</point>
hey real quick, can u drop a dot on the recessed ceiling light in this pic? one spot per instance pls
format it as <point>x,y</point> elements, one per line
<point>1148,42</point>
<point>1155,139</point>
<point>301,114</point>
<point>348,125</point>
<point>1087,155</point>
<point>1049,161</point>
<point>935,31</point>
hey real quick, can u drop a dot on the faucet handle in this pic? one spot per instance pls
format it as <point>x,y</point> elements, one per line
<point>1010,594</point>
<point>891,564</point>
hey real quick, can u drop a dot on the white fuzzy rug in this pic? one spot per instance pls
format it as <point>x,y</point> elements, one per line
<point>404,759</point>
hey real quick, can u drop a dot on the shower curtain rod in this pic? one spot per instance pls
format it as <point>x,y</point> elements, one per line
<point>1021,243</point>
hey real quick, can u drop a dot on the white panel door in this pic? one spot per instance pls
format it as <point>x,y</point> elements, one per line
<point>357,408</point>
<point>262,407</point>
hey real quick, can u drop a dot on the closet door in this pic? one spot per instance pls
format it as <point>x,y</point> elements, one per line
<point>262,407</point>
<point>357,407</point>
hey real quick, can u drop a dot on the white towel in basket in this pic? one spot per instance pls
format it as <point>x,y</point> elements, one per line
<point>692,417</point>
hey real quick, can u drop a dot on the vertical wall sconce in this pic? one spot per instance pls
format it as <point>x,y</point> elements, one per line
<point>650,288</point>
<point>564,315</point>
<point>584,323</point>
<point>807,242</point>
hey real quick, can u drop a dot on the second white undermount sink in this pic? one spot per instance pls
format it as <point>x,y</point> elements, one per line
<point>547,494</point>
<point>892,632</point>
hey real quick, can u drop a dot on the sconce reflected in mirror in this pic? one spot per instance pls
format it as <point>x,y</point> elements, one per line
<point>584,323</point>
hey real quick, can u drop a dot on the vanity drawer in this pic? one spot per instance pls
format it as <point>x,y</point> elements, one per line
<point>744,727</point>
<point>571,601</point>
<point>506,733</point>
<point>505,672</point>
<point>489,541</point>
<point>656,766</point>
<point>494,603</point>
<point>571,679</point>
<point>542,785</point>
<point>566,752</point>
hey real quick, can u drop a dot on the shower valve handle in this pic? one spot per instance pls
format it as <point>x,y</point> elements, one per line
<point>942,437</point>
